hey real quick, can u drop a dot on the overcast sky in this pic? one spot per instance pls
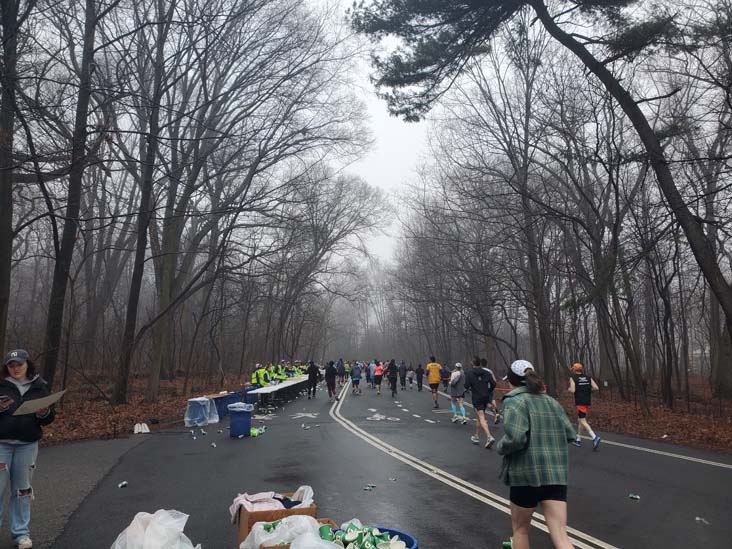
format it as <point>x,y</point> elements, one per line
<point>393,160</point>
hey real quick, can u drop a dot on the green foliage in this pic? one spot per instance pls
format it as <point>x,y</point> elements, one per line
<point>633,38</point>
<point>437,38</point>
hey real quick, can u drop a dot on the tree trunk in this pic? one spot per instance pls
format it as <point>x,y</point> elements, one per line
<point>704,254</point>
<point>8,83</point>
<point>62,266</point>
<point>143,218</point>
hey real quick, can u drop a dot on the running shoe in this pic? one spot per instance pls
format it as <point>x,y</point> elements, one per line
<point>577,442</point>
<point>455,419</point>
<point>474,439</point>
<point>465,420</point>
<point>436,405</point>
<point>596,442</point>
<point>489,443</point>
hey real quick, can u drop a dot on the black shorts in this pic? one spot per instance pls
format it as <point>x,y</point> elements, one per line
<point>481,404</point>
<point>434,387</point>
<point>528,497</point>
<point>377,380</point>
<point>355,382</point>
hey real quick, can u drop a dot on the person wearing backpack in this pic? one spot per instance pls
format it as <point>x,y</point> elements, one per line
<point>481,383</point>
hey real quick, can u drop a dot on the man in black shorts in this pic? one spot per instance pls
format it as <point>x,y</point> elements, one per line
<point>480,382</point>
<point>434,370</point>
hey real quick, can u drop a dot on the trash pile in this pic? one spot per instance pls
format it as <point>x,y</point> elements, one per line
<point>305,532</point>
<point>354,535</point>
<point>269,520</point>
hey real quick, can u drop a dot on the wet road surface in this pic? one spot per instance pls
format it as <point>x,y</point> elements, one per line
<point>430,480</point>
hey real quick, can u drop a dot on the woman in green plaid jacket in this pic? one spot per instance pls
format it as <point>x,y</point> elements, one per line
<point>535,460</point>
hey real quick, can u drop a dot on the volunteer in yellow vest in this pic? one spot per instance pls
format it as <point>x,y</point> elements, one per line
<point>259,376</point>
<point>433,378</point>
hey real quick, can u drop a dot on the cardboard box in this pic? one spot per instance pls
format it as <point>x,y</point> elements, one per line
<point>247,519</point>
<point>287,546</point>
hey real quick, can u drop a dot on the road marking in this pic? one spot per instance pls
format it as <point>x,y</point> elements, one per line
<point>647,450</point>
<point>472,490</point>
<point>416,415</point>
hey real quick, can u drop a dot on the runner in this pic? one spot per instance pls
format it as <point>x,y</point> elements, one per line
<point>480,382</point>
<point>392,371</point>
<point>492,400</point>
<point>367,372</point>
<point>420,376</point>
<point>330,380</point>
<point>410,376</point>
<point>313,378</point>
<point>356,379</point>
<point>341,372</point>
<point>403,375</point>
<point>445,377</point>
<point>581,386</point>
<point>456,390</point>
<point>372,369</point>
<point>433,378</point>
<point>378,374</point>
<point>535,457</point>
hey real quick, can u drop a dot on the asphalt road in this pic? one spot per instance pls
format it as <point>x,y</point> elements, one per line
<point>430,480</point>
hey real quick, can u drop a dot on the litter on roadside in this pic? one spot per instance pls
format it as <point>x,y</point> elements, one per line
<point>122,484</point>
<point>634,496</point>
<point>703,521</point>
<point>162,529</point>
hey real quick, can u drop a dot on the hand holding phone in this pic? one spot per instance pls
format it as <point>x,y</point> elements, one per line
<point>5,402</point>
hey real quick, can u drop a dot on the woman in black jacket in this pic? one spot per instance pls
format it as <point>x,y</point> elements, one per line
<point>19,436</point>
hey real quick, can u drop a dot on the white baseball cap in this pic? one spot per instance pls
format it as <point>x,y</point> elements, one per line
<point>458,365</point>
<point>519,367</point>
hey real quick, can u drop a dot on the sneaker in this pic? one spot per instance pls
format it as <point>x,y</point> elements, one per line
<point>596,442</point>
<point>489,443</point>
<point>474,439</point>
<point>465,420</point>
<point>577,442</point>
<point>25,543</point>
<point>455,419</point>
<point>308,397</point>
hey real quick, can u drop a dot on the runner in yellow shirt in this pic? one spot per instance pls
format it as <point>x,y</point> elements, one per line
<point>433,378</point>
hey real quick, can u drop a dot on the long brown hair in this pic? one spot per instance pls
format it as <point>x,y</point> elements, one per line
<point>534,383</point>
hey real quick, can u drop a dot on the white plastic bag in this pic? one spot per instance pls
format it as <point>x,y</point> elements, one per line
<point>200,411</point>
<point>357,523</point>
<point>287,530</point>
<point>163,530</point>
<point>312,541</point>
<point>305,495</point>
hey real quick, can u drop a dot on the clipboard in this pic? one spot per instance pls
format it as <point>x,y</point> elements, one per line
<point>32,406</point>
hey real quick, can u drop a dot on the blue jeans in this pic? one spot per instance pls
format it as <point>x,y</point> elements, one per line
<point>17,463</point>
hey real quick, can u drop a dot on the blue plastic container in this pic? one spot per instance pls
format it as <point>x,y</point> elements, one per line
<point>221,405</point>
<point>240,421</point>
<point>410,541</point>
<point>250,398</point>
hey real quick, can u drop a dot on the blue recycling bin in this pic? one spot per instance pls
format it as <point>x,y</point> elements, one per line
<point>240,419</point>
<point>221,403</point>
<point>410,541</point>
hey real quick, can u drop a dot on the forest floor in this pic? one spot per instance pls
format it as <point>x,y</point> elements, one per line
<point>84,415</point>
